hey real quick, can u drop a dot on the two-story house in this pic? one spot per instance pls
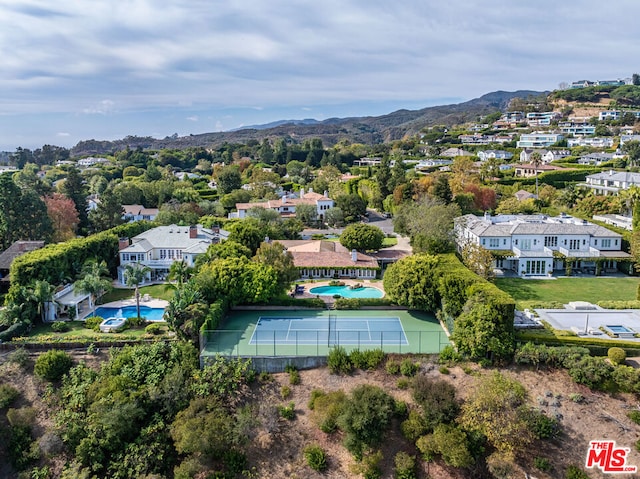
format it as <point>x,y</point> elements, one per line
<point>286,205</point>
<point>611,182</point>
<point>132,213</point>
<point>536,245</point>
<point>595,142</point>
<point>160,247</point>
<point>538,140</point>
<point>494,154</point>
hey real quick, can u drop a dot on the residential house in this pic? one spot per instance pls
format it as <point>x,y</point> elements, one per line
<point>453,152</point>
<point>596,158</point>
<point>158,248</point>
<point>553,155</point>
<point>611,182</point>
<point>133,213</point>
<point>536,245</point>
<point>582,84</point>
<point>18,248</point>
<point>538,140</point>
<point>626,138</point>
<point>368,162</point>
<point>595,142</point>
<point>527,170</point>
<point>286,205</point>
<point>525,155</point>
<point>577,128</point>
<point>317,259</point>
<point>428,164</point>
<point>476,139</point>
<point>522,195</point>
<point>618,221</point>
<point>494,154</point>
<point>542,118</point>
<point>91,161</point>
<point>609,115</point>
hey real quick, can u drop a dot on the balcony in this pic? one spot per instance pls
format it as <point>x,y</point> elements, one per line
<point>580,253</point>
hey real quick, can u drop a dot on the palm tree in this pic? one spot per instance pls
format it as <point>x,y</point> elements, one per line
<point>94,286</point>
<point>42,293</point>
<point>180,271</point>
<point>536,161</point>
<point>134,275</point>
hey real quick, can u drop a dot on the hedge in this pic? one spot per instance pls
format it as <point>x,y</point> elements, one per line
<point>61,262</point>
<point>357,303</point>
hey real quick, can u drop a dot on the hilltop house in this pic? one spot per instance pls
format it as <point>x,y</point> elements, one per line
<point>611,182</point>
<point>595,142</point>
<point>538,140</point>
<point>596,158</point>
<point>286,205</point>
<point>158,248</point>
<point>535,245</point>
<point>491,154</point>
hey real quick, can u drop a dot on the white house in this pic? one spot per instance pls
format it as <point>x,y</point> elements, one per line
<point>158,248</point>
<point>286,205</point>
<point>535,245</point>
<point>596,158</point>
<point>538,140</point>
<point>553,155</point>
<point>595,142</point>
<point>491,154</point>
<point>611,182</point>
<point>132,213</point>
<point>542,118</point>
<point>525,155</point>
<point>625,138</point>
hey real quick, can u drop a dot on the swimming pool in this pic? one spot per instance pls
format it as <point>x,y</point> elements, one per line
<point>618,328</point>
<point>112,324</point>
<point>150,314</point>
<point>346,292</point>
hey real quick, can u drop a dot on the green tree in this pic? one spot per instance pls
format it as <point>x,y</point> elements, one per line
<point>442,190</point>
<point>334,217</point>
<point>275,255</point>
<point>632,150</point>
<point>248,233</point>
<point>478,259</point>
<point>410,282</point>
<point>365,418</point>
<point>353,207</point>
<point>94,285</point>
<point>497,409</point>
<point>224,250</point>
<point>180,271</point>
<point>536,161</point>
<point>228,179</point>
<point>308,214</point>
<point>362,237</point>
<point>73,187</point>
<point>635,79</point>
<point>450,442</point>
<point>42,293</point>
<point>108,213</point>
<point>134,275</point>
<point>186,312</point>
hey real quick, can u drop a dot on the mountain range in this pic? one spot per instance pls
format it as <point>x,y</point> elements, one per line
<point>366,130</point>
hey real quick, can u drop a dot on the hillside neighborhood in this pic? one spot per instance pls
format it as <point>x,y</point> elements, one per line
<point>462,301</point>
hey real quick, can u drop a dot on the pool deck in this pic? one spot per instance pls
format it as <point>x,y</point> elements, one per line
<point>588,323</point>
<point>150,303</point>
<point>308,284</point>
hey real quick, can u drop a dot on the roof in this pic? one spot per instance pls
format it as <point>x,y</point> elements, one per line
<point>508,225</point>
<point>611,175</point>
<point>329,259</point>
<point>524,195</point>
<point>17,249</point>
<point>310,198</point>
<point>173,237</point>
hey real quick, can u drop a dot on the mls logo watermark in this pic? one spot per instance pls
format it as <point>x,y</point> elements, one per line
<point>609,458</point>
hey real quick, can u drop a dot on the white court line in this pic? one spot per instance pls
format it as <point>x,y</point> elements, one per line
<point>288,330</point>
<point>255,328</point>
<point>368,330</point>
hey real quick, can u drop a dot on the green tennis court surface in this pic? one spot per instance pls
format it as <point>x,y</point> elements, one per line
<point>315,332</point>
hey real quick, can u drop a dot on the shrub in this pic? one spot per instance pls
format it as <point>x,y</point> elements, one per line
<point>404,466</point>
<point>392,366</point>
<point>316,457</point>
<point>409,368</point>
<point>542,426</point>
<point>593,372</point>
<point>294,377</point>
<point>285,392</point>
<point>400,408</point>
<point>616,355</point>
<point>367,359</point>
<point>542,463</point>
<point>288,411</point>
<point>60,326</point>
<point>315,394</point>
<point>153,328</point>
<point>574,472</point>
<point>20,357</point>
<point>8,394</point>
<point>437,399</point>
<point>134,321</point>
<point>576,397</point>
<point>15,330</point>
<point>444,370</point>
<point>93,323</point>
<point>265,377</point>
<point>52,365</point>
<point>634,416</point>
<point>414,426</point>
<point>369,467</point>
<point>449,355</point>
<point>327,408</point>
<point>403,383</point>
<point>338,361</point>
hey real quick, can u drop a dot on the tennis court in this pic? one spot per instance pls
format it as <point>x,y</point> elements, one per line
<point>334,330</point>
<point>274,333</point>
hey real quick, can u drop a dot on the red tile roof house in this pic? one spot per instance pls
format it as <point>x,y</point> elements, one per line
<point>286,206</point>
<point>328,259</point>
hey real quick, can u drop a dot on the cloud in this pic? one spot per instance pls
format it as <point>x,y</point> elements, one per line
<point>103,107</point>
<point>63,134</point>
<point>192,118</point>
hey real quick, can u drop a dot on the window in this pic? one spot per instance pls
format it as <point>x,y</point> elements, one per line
<point>551,241</point>
<point>494,242</point>
<point>606,243</point>
<point>504,242</point>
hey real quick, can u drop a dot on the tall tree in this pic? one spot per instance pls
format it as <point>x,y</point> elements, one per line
<point>108,213</point>
<point>134,275</point>
<point>536,161</point>
<point>42,293</point>
<point>274,255</point>
<point>63,215</point>
<point>74,188</point>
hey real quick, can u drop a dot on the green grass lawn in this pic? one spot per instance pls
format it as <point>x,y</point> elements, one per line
<point>389,242</point>
<point>565,290</point>
<point>78,331</point>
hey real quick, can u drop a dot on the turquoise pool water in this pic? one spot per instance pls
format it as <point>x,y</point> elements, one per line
<point>345,292</point>
<point>151,314</point>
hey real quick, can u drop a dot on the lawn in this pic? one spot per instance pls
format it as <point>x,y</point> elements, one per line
<point>565,290</point>
<point>77,331</point>
<point>389,242</point>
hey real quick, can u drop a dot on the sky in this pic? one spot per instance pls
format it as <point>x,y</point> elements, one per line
<point>105,69</point>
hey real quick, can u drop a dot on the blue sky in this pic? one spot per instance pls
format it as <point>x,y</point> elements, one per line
<point>106,69</point>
